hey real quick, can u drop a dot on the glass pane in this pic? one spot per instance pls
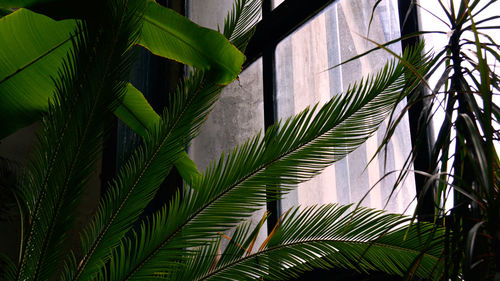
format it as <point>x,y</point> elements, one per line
<point>304,78</point>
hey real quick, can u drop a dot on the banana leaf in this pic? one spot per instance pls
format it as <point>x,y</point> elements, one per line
<point>33,47</point>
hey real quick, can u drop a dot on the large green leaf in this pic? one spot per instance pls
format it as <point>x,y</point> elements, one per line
<point>187,168</point>
<point>137,113</point>
<point>168,34</point>
<point>33,50</point>
<point>33,47</point>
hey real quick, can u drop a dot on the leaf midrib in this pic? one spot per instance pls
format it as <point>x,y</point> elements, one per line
<point>302,242</point>
<point>36,59</point>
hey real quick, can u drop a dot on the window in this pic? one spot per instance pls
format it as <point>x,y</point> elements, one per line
<point>290,57</point>
<point>304,77</point>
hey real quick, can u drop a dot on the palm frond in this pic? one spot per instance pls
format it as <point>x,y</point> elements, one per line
<point>209,257</point>
<point>264,168</point>
<point>140,177</point>
<point>8,268</point>
<point>71,134</point>
<point>328,236</point>
<point>240,22</point>
<point>151,163</point>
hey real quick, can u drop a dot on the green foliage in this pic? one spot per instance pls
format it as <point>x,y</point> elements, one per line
<point>168,34</point>
<point>463,160</point>
<point>72,130</point>
<point>238,21</point>
<point>136,112</point>
<point>179,241</point>
<point>32,50</point>
<point>238,184</point>
<point>326,236</point>
<point>34,45</point>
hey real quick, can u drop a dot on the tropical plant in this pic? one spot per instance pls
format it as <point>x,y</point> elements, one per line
<point>181,241</point>
<point>35,45</point>
<point>462,164</point>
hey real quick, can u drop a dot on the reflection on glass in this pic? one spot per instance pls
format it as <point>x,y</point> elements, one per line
<point>304,78</point>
